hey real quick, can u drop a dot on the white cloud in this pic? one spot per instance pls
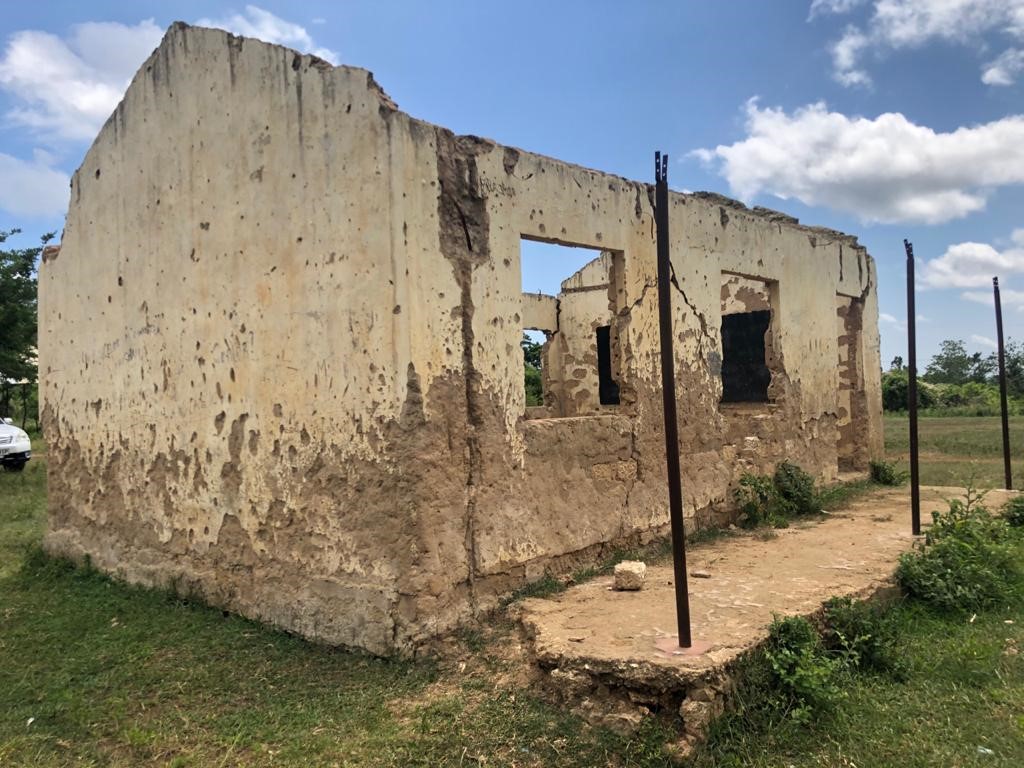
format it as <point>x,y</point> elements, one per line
<point>822,7</point>
<point>985,341</point>
<point>1007,298</point>
<point>973,265</point>
<point>885,317</point>
<point>1004,69</point>
<point>899,24</point>
<point>32,188</point>
<point>845,53</point>
<point>67,88</point>
<point>885,169</point>
<point>256,22</point>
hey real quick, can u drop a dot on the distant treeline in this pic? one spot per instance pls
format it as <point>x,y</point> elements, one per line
<point>956,383</point>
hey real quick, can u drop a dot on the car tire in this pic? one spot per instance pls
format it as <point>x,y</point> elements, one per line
<point>15,466</point>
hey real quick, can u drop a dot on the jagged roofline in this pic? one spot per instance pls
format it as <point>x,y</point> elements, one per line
<point>324,66</point>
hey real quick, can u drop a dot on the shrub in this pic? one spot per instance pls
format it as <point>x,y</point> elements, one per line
<point>885,472</point>
<point>803,676</point>
<point>795,489</point>
<point>1013,512</point>
<point>758,501</point>
<point>862,635</point>
<point>895,392</point>
<point>764,500</point>
<point>969,560</point>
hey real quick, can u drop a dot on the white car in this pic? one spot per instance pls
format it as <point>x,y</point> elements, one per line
<point>15,447</point>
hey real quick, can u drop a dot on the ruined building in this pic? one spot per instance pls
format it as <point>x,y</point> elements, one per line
<point>281,366</point>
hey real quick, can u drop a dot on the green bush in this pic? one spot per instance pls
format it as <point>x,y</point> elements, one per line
<point>896,388</point>
<point>796,491</point>
<point>1013,512</point>
<point>764,500</point>
<point>862,635</point>
<point>885,472</point>
<point>758,502</point>
<point>803,675</point>
<point>969,560</point>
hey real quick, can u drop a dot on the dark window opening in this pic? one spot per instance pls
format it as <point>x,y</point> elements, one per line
<point>745,374</point>
<point>608,388</point>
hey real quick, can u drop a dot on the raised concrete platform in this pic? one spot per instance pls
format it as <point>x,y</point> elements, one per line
<point>603,648</point>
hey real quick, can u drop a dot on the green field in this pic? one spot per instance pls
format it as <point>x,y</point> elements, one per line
<point>94,673</point>
<point>955,449</point>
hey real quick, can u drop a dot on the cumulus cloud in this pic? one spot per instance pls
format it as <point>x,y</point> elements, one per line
<point>66,89</point>
<point>973,265</point>
<point>1004,69</point>
<point>899,24</point>
<point>62,89</point>
<point>32,188</point>
<point>886,169</point>
<point>985,341</point>
<point>256,22</point>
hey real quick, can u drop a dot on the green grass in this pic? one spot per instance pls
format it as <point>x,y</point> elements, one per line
<point>953,448</point>
<point>93,672</point>
<point>22,497</point>
<point>110,675</point>
<point>963,691</point>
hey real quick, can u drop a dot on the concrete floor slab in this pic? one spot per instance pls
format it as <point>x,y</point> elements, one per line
<point>615,636</point>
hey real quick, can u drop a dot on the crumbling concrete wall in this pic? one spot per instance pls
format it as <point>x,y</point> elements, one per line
<point>571,365</point>
<point>280,351</point>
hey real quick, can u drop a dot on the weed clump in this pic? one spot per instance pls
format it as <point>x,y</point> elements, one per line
<point>886,472</point>
<point>803,674</point>
<point>969,560</point>
<point>773,500</point>
<point>796,490</point>
<point>1013,512</point>
<point>758,502</point>
<point>863,635</point>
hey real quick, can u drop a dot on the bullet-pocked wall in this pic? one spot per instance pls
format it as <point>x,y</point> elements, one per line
<point>280,352</point>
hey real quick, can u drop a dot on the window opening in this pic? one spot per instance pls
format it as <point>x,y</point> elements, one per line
<point>608,388</point>
<point>745,373</point>
<point>568,353</point>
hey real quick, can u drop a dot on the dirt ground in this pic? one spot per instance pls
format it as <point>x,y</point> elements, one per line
<point>748,579</point>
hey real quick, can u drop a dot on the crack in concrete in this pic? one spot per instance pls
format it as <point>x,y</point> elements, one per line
<point>704,334</point>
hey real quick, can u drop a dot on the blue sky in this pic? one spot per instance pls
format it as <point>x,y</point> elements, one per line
<point>882,118</point>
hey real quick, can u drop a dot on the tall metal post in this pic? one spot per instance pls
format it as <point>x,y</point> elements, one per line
<point>915,476</point>
<point>668,388</point>
<point>1002,385</point>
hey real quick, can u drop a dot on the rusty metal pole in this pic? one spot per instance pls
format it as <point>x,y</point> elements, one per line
<point>668,388</point>
<point>1002,385</point>
<point>915,476</point>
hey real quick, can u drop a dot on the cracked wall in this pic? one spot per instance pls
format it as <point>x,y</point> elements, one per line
<point>280,354</point>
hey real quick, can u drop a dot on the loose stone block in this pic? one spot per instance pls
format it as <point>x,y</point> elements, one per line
<point>630,575</point>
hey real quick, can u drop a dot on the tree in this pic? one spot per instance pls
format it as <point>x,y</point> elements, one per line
<point>952,365</point>
<point>897,364</point>
<point>896,390</point>
<point>532,363</point>
<point>18,324</point>
<point>1014,359</point>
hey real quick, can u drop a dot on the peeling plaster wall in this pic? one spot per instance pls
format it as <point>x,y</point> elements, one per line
<point>280,351</point>
<point>571,371</point>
